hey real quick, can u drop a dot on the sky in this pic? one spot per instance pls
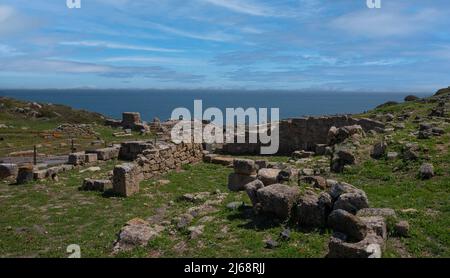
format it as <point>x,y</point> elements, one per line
<point>339,45</point>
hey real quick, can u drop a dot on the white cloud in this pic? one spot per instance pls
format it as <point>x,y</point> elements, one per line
<point>8,51</point>
<point>241,6</point>
<point>215,36</point>
<point>12,22</point>
<point>385,23</point>
<point>112,45</point>
<point>155,60</point>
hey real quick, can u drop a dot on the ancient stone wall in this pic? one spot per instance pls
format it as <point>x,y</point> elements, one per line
<point>304,133</point>
<point>150,160</point>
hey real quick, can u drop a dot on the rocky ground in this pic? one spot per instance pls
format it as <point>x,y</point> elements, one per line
<point>193,213</point>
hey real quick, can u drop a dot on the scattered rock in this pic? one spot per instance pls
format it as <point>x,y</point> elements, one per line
<point>235,205</point>
<point>402,228</point>
<point>370,247</point>
<point>426,171</point>
<point>244,167</point>
<point>383,212</point>
<point>268,176</point>
<point>285,234</point>
<point>196,231</point>
<point>271,244</point>
<point>392,155</point>
<point>348,224</point>
<point>137,232</point>
<point>184,220</point>
<point>96,185</point>
<point>278,199</point>
<point>251,189</point>
<point>313,209</point>
<point>314,181</point>
<point>378,150</point>
<point>91,169</point>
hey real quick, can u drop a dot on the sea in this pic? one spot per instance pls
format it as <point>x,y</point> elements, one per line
<point>161,103</point>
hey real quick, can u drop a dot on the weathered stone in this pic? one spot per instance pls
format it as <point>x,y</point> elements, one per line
<point>39,174</point>
<point>271,244</point>
<point>195,197</point>
<point>8,170</point>
<point>96,185</point>
<point>126,179</point>
<point>251,189</point>
<point>348,224</point>
<point>339,188</point>
<point>184,220</point>
<point>235,205</point>
<point>25,174</point>
<point>340,159</point>
<point>237,182</point>
<point>315,181</point>
<point>370,247</point>
<point>77,158</point>
<point>378,150</point>
<point>90,157</point>
<point>278,199</point>
<point>268,176</point>
<point>402,228</point>
<point>410,152</point>
<point>136,232</point>
<point>222,160</point>
<point>244,166</point>
<point>106,153</point>
<point>352,202</point>
<point>377,224</point>
<point>313,209</point>
<point>383,212</point>
<point>132,149</point>
<point>196,231</point>
<point>426,171</point>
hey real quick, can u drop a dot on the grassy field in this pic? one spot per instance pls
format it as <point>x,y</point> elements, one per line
<point>41,219</point>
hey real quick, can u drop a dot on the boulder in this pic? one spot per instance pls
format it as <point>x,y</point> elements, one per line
<point>237,182</point>
<point>370,247</point>
<point>126,179</point>
<point>426,171</point>
<point>376,224</point>
<point>350,225</point>
<point>352,202</point>
<point>261,164</point>
<point>268,176</point>
<point>313,209</point>
<point>251,189</point>
<point>378,150</point>
<point>411,152</point>
<point>8,170</point>
<point>244,166</point>
<point>340,159</point>
<point>278,199</point>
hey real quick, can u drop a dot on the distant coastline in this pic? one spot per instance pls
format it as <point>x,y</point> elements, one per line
<point>160,103</point>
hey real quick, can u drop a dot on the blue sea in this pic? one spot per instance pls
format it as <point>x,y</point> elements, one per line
<point>160,103</point>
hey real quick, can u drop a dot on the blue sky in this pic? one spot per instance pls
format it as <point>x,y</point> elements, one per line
<point>226,44</point>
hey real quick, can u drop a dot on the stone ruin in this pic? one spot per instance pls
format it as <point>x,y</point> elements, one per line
<point>317,203</point>
<point>150,160</point>
<point>130,120</point>
<point>307,134</point>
